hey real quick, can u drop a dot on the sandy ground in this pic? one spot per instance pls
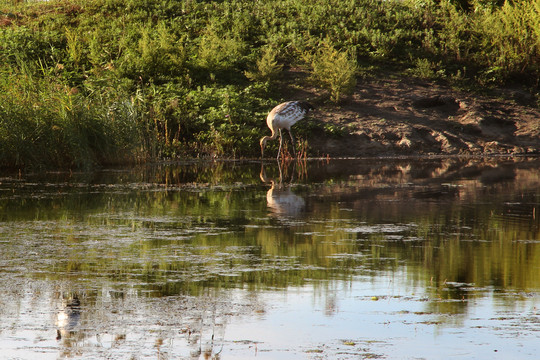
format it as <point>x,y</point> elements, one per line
<point>395,117</point>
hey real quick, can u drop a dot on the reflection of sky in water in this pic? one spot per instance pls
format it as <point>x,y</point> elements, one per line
<point>378,316</point>
<point>395,326</point>
<point>348,266</point>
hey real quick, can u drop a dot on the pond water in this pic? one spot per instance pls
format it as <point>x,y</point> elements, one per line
<point>339,259</point>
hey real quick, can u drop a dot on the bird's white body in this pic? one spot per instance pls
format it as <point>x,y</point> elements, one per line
<point>284,116</point>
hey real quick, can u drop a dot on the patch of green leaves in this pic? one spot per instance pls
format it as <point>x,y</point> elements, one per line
<point>334,70</point>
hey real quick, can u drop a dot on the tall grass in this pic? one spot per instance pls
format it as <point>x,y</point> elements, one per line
<point>44,122</point>
<point>512,38</point>
<point>497,44</point>
<point>85,82</point>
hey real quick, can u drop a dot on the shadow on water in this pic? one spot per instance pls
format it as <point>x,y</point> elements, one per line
<point>125,261</point>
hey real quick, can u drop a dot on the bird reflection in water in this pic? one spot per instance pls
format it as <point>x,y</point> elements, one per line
<point>280,199</point>
<point>67,319</point>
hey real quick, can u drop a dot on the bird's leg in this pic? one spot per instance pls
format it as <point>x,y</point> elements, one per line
<point>292,143</point>
<point>280,144</point>
<point>280,174</point>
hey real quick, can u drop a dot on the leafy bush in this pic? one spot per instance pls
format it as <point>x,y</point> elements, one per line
<point>334,70</point>
<point>22,44</point>
<point>219,52</point>
<point>157,56</point>
<point>501,43</point>
<point>512,37</point>
<point>267,68</point>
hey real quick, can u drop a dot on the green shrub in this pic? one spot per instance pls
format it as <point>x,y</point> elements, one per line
<point>219,51</point>
<point>158,55</point>
<point>426,69</point>
<point>511,37</point>
<point>457,37</point>
<point>333,70</point>
<point>267,68</point>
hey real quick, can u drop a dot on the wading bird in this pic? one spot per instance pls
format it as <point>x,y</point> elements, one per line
<point>284,116</point>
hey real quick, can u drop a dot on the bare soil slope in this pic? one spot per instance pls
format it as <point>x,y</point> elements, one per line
<point>407,117</point>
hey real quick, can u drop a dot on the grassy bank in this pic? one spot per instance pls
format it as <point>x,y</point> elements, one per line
<point>86,82</point>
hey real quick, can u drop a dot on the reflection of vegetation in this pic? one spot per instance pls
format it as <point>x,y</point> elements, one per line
<point>165,235</point>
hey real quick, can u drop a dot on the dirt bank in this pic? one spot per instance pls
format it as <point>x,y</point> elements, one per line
<point>406,116</point>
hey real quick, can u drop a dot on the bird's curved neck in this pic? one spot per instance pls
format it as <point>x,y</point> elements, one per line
<point>274,135</point>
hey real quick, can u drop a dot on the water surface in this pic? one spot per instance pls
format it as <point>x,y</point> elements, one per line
<point>348,259</point>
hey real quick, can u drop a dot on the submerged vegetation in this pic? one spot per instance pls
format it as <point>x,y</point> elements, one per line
<point>85,82</point>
